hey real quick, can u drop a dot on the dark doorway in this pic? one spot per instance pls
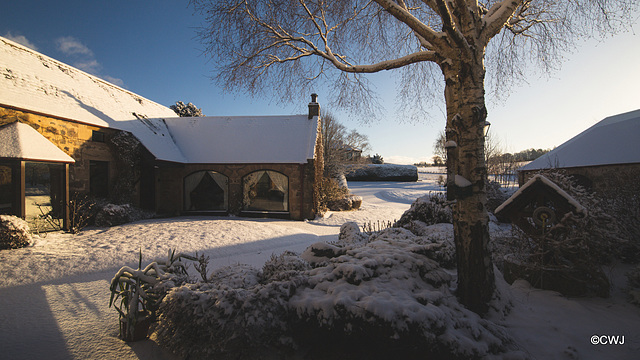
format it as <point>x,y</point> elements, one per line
<point>99,178</point>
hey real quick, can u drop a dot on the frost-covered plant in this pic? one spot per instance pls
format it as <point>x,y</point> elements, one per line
<point>134,293</point>
<point>112,215</point>
<point>81,210</point>
<point>623,204</point>
<point>361,298</point>
<point>331,194</point>
<point>495,196</point>
<point>283,267</point>
<point>232,314</point>
<point>377,159</point>
<point>429,209</point>
<point>596,234</point>
<point>186,110</point>
<point>633,285</point>
<point>14,232</point>
<point>371,227</point>
<point>133,297</point>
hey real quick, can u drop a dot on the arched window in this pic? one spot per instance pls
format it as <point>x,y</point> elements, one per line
<point>266,190</point>
<point>206,191</point>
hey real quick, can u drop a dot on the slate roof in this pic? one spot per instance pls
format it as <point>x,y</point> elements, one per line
<point>614,140</point>
<point>35,82</point>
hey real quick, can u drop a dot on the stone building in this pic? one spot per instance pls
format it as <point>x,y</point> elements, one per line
<point>603,158</point>
<point>84,135</point>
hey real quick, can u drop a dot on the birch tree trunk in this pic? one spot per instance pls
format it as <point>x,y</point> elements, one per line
<point>466,174</point>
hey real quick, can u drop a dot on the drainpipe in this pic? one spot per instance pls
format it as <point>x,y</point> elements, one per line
<point>301,191</point>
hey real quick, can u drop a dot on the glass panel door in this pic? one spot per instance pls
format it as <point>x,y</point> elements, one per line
<point>44,195</point>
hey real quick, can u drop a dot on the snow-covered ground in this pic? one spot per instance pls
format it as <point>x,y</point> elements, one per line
<point>54,296</point>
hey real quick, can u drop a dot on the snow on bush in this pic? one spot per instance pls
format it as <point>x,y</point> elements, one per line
<point>495,195</point>
<point>429,209</point>
<point>14,232</point>
<point>382,292</point>
<point>633,282</point>
<point>112,215</point>
<point>382,172</point>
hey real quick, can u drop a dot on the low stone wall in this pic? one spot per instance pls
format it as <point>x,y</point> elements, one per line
<point>383,172</point>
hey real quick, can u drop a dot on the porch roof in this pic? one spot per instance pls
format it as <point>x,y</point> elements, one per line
<point>21,141</point>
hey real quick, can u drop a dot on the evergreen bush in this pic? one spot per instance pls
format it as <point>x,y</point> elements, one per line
<point>14,232</point>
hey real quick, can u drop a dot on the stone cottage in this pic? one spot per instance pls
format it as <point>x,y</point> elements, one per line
<point>65,132</point>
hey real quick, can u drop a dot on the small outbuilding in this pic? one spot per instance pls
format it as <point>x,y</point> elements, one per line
<point>537,205</point>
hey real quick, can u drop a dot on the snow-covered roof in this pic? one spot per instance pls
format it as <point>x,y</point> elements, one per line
<point>613,140</point>
<point>245,139</point>
<point>32,81</point>
<point>21,141</point>
<point>35,82</point>
<point>577,207</point>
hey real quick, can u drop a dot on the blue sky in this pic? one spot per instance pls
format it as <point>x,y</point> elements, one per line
<point>149,47</point>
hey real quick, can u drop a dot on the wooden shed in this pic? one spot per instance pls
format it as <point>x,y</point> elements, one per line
<point>537,205</point>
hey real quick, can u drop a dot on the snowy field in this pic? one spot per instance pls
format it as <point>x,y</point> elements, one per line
<point>54,296</point>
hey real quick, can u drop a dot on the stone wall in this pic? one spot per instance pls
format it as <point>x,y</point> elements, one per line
<point>166,180</point>
<point>74,138</point>
<point>607,180</point>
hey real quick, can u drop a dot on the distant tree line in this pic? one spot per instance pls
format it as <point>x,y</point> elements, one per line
<point>501,165</point>
<point>524,155</point>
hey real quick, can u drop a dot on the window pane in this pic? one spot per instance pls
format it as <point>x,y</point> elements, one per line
<point>44,194</point>
<point>6,189</point>
<point>266,191</point>
<point>206,191</point>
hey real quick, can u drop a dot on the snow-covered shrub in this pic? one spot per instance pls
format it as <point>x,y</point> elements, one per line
<point>235,315</point>
<point>371,227</point>
<point>112,215</point>
<point>283,267</point>
<point>321,252</point>
<point>350,234</point>
<point>429,209</point>
<point>440,234</point>
<point>14,232</point>
<point>389,294</point>
<point>188,110</point>
<point>364,298</point>
<point>633,285</point>
<point>624,206</point>
<point>332,195</point>
<point>495,196</point>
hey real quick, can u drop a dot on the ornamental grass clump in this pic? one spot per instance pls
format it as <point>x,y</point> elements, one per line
<point>136,296</point>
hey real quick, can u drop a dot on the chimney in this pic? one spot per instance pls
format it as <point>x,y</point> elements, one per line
<point>314,107</point>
